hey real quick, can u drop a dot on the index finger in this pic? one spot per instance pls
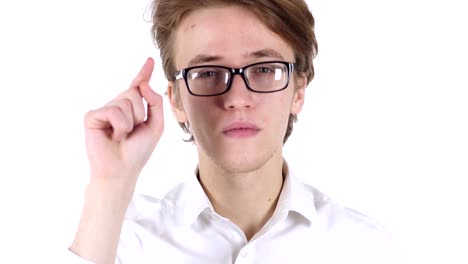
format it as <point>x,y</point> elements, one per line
<point>145,73</point>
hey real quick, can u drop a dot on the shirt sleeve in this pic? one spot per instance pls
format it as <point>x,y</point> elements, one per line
<point>386,249</point>
<point>71,258</point>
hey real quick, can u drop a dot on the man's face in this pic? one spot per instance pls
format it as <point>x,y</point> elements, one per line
<point>234,37</point>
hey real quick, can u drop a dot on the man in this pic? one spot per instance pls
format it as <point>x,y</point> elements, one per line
<point>237,73</point>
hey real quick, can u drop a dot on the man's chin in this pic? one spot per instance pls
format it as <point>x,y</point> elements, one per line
<point>242,162</point>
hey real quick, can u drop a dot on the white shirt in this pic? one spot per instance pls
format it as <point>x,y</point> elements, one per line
<point>306,227</point>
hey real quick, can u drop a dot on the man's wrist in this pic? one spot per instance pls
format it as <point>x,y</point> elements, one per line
<point>115,188</point>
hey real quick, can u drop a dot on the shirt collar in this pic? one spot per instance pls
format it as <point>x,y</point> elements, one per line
<point>194,200</point>
<point>295,196</point>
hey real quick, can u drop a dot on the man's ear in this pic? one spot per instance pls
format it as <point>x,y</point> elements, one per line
<point>176,103</point>
<point>299,93</point>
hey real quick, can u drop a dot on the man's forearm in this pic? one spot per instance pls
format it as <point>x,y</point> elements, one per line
<point>99,230</point>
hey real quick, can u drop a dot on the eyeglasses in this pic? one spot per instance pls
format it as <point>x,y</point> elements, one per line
<point>262,77</point>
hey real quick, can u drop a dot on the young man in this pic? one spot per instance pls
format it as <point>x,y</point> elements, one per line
<point>237,72</point>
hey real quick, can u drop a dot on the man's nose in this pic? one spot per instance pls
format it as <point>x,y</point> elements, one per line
<point>238,96</point>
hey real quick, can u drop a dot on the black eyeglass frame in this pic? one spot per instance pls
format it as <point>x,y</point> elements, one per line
<point>182,74</point>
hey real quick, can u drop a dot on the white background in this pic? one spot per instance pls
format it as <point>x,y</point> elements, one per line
<point>384,129</point>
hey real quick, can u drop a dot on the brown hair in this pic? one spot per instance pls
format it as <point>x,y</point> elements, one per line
<point>290,19</point>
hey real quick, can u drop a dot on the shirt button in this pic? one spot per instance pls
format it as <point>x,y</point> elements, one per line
<point>244,253</point>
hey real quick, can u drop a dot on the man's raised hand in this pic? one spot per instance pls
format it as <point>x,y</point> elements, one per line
<point>120,136</point>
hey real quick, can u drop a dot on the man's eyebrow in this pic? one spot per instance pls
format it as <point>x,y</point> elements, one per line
<point>266,53</point>
<point>203,58</point>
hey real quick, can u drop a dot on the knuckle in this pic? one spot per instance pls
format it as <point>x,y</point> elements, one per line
<point>113,111</point>
<point>126,103</point>
<point>140,114</point>
<point>119,129</point>
<point>122,121</point>
<point>88,117</point>
<point>128,127</point>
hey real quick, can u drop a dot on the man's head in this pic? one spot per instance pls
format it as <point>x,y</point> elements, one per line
<point>289,19</point>
<point>235,34</point>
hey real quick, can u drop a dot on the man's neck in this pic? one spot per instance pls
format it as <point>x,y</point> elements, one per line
<point>248,199</point>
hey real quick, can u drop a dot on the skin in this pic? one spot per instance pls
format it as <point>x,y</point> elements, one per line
<point>241,176</point>
<point>119,141</point>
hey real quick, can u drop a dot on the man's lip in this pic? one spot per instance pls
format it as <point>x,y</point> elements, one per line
<point>240,125</point>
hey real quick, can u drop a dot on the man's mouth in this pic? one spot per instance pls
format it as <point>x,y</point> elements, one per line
<point>241,130</point>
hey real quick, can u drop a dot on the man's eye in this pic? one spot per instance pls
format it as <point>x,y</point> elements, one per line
<point>206,74</point>
<point>264,70</point>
